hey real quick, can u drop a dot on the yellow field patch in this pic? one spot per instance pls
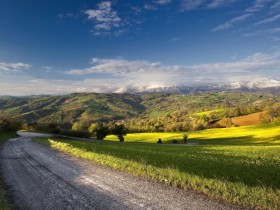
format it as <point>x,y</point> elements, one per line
<point>245,135</point>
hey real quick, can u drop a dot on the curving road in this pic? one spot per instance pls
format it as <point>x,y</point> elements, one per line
<point>41,178</point>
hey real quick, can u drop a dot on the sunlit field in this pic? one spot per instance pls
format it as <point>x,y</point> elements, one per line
<point>246,135</point>
<point>240,165</point>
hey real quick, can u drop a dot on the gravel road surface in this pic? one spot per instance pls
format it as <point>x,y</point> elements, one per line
<point>41,178</point>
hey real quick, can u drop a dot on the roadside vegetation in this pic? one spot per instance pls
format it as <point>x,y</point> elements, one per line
<point>239,165</point>
<point>8,130</point>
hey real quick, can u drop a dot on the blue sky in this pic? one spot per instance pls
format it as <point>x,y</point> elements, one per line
<point>62,46</point>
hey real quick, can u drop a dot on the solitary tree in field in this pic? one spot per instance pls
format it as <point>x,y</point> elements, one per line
<point>185,137</point>
<point>119,131</point>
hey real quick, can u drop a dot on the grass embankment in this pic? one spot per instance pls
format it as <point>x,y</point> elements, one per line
<point>4,204</point>
<point>221,167</point>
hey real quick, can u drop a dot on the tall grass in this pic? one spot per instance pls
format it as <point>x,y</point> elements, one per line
<point>247,175</point>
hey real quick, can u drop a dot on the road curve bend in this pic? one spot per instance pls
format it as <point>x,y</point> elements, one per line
<point>41,178</point>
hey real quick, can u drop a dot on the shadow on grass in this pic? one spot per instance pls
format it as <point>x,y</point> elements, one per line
<point>238,141</point>
<point>216,162</point>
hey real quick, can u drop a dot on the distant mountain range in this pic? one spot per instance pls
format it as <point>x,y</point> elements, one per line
<point>255,86</point>
<point>265,86</point>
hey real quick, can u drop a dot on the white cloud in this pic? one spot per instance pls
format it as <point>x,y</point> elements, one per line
<point>144,72</point>
<point>220,3</point>
<point>121,75</point>
<point>13,67</point>
<point>265,31</point>
<point>194,4</point>
<point>268,20</point>
<point>105,19</point>
<point>47,67</point>
<point>117,67</point>
<point>276,5</point>
<point>275,38</point>
<point>231,22</point>
<point>163,2</point>
<point>191,4</point>
<point>149,7</point>
<point>257,6</point>
<point>176,39</point>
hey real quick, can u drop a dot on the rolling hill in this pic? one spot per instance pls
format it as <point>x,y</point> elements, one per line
<point>105,107</point>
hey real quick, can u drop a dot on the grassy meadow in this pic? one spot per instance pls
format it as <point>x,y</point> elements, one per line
<point>240,165</point>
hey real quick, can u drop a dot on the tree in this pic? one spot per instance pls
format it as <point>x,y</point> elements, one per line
<point>185,137</point>
<point>226,122</point>
<point>98,130</point>
<point>120,131</point>
<point>92,129</point>
<point>158,126</point>
<point>79,126</point>
<point>9,125</point>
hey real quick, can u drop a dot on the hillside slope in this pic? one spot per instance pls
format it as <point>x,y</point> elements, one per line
<point>104,107</point>
<point>73,107</point>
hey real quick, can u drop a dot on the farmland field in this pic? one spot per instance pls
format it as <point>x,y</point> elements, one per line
<point>239,165</point>
<point>250,119</point>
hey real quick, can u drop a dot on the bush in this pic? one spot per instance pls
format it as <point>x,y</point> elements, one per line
<point>9,125</point>
<point>99,131</point>
<point>276,121</point>
<point>79,134</point>
<point>226,123</point>
<point>80,126</point>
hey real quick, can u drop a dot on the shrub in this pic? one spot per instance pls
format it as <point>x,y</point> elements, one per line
<point>226,122</point>
<point>99,131</point>
<point>80,126</point>
<point>9,125</point>
<point>79,134</point>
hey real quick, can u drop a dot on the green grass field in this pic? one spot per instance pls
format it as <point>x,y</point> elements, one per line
<point>239,165</point>
<point>4,204</point>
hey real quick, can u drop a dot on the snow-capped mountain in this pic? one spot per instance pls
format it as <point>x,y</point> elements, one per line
<point>248,86</point>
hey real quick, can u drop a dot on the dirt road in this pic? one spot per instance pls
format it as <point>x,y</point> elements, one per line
<point>40,178</point>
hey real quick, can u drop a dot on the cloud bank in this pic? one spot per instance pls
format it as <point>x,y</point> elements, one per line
<point>13,67</point>
<point>121,75</point>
